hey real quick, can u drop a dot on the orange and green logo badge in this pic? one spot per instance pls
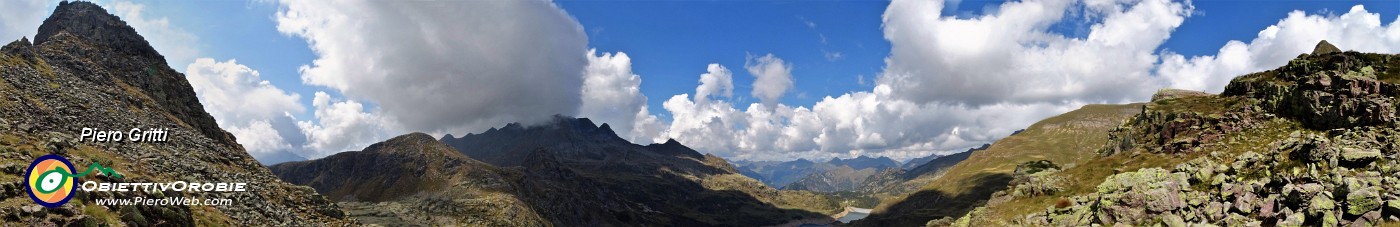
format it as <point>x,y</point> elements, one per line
<point>52,181</point>
<point>49,180</point>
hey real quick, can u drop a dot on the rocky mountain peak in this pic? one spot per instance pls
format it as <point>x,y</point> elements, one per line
<point>81,41</point>
<point>1324,47</point>
<point>88,21</point>
<point>88,69</point>
<point>672,147</point>
<point>572,137</point>
<point>558,124</point>
<point>416,137</point>
<point>583,126</point>
<point>416,144</point>
<point>23,42</point>
<point>1328,91</point>
<point>402,166</point>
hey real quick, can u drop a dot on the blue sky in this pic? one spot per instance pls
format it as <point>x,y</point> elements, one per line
<point>656,34</point>
<point>907,88</point>
<point>726,31</point>
<point>671,41</point>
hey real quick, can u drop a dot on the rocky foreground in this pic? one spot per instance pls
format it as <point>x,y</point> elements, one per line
<point>1313,143</point>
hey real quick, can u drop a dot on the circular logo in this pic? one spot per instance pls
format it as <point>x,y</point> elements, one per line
<point>49,180</point>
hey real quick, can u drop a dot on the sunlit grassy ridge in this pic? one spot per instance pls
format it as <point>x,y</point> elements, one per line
<point>1067,139</point>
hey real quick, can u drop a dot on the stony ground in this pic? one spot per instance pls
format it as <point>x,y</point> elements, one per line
<point>1313,143</point>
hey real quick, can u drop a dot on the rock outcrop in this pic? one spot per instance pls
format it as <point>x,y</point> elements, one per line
<point>90,42</point>
<point>1313,143</point>
<point>88,69</point>
<point>1331,90</point>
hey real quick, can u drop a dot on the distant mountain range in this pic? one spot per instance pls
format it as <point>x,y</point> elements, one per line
<point>916,162</point>
<point>279,157</point>
<point>565,172</point>
<point>865,162</point>
<point>940,163</point>
<point>833,175</point>
<point>860,174</point>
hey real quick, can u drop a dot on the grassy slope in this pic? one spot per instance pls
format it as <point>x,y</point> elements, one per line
<point>1083,178</point>
<point>1258,137</point>
<point>1067,139</point>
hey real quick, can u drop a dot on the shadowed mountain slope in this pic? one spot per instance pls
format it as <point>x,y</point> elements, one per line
<point>1068,138</point>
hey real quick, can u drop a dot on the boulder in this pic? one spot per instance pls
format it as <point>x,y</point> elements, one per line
<point>1322,203</point>
<point>1310,147</point>
<point>1294,220</point>
<point>1359,156</point>
<point>1361,201</point>
<point>1173,220</point>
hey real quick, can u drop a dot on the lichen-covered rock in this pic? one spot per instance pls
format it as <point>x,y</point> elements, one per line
<point>1124,196</point>
<point>1329,219</point>
<point>1322,203</point>
<point>1361,201</point>
<point>1173,220</point>
<point>1293,220</point>
<point>1313,143</point>
<point>1359,155</point>
<point>1310,147</point>
<point>1325,91</point>
<point>1267,208</point>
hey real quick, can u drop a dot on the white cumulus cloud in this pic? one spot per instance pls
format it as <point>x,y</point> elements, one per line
<point>243,103</point>
<point>259,138</point>
<point>772,78</point>
<point>234,93</point>
<point>717,82</point>
<point>342,125</point>
<point>1295,34</point>
<point>1012,56</point>
<point>953,82</point>
<point>612,94</point>
<point>859,123</point>
<point>444,66</point>
<point>950,83</point>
